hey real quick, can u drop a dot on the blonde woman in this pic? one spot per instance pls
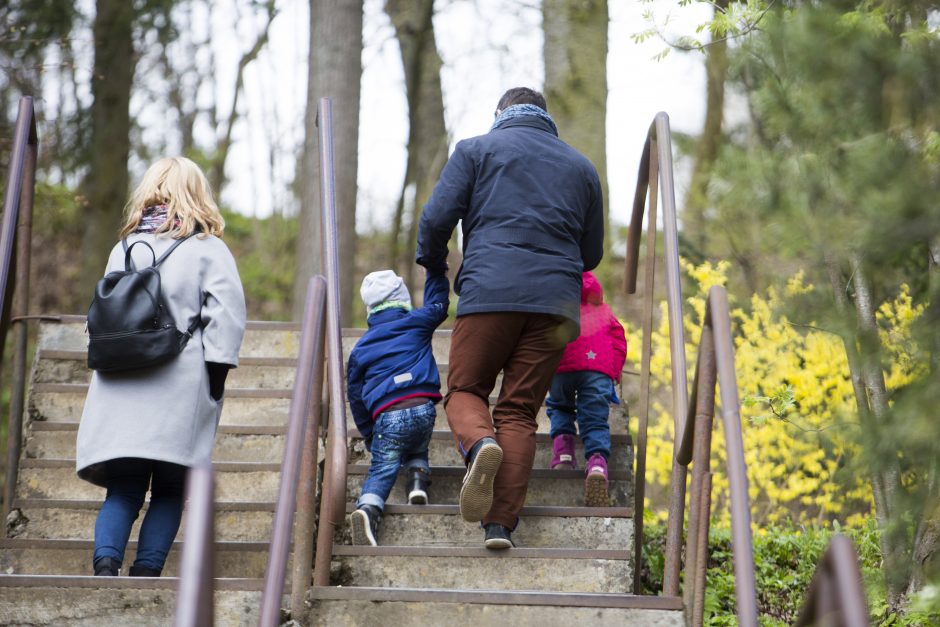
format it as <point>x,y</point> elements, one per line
<point>142,428</point>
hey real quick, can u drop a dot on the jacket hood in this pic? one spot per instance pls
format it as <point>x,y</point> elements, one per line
<point>591,290</point>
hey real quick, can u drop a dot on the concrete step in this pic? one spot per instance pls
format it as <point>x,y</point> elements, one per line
<point>546,487</point>
<point>81,601</point>
<point>252,372</point>
<point>262,339</point>
<point>56,440</point>
<point>443,452</point>
<point>63,402</point>
<point>557,570</point>
<point>55,402</point>
<point>539,527</point>
<point>56,479</point>
<point>350,606</point>
<point>242,481</point>
<point>70,519</point>
<point>73,557</point>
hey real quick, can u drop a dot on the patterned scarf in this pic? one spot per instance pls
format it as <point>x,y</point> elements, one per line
<point>519,110</point>
<point>153,218</point>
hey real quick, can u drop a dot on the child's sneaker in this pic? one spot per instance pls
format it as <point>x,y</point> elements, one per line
<point>563,452</point>
<point>595,482</point>
<point>476,495</point>
<point>365,525</point>
<point>418,482</point>
<point>497,536</point>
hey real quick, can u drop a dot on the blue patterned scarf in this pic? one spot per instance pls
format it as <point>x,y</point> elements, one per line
<point>153,218</point>
<point>519,110</point>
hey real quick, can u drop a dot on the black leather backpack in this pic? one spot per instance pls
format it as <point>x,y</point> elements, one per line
<point>129,324</point>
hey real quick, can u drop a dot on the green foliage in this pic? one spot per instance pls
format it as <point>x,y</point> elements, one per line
<point>786,559</point>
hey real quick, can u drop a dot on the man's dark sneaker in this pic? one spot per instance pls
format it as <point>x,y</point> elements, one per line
<point>418,482</point>
<point>497,537</point>
<point>143,571</point>
<point>365,525</point>
<point>107,567</point>
<point>476,495</point>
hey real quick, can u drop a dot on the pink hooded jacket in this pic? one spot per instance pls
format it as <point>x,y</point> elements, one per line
<point>601,347</point>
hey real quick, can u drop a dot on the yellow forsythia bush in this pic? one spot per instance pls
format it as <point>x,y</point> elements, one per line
<point>798,413</point>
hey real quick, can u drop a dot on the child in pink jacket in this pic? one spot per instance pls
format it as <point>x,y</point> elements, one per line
<point>583,388</point>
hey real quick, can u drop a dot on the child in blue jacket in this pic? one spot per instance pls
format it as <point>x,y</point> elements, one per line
<point>393,384</point>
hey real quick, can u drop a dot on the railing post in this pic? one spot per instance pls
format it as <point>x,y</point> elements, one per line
<point>650,165</point>
<point>333,496</point>
<point>306,395</point>
<point>194,597</point>
<point>17,228</point>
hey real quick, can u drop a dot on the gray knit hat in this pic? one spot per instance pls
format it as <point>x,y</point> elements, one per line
<point>384,289</point>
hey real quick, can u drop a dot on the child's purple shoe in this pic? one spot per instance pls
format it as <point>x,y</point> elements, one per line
<point>563,452</point>
<point>595,482</point>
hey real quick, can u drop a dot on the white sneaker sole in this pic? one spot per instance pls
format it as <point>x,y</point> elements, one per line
<point>498,543</point>
<point>361,529</point>
<point>417,497</point>
<point>476,495</point>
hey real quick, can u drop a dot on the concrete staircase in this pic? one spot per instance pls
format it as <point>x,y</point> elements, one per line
<point>572,562</point>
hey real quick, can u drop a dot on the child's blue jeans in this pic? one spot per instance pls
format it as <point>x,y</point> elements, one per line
<point>128,480</point>
<point>400,438</point>
<point>583,396</point>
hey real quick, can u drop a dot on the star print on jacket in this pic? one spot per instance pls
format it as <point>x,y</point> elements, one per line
<point>591,355</point>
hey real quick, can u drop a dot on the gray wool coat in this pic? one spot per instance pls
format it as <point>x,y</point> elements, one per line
<point>165,412</point>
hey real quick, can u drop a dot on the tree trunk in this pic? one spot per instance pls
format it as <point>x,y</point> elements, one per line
<point>895,543</point>
<point>105,187</point>
<point>427,135</point>
<point>575,55</point>
<point>335,67</point>
<point>706,150</point>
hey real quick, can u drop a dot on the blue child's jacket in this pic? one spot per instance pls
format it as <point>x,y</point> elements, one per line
<point>393,358</point>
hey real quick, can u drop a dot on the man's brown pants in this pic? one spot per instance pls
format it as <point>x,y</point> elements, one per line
<point>527,348</point>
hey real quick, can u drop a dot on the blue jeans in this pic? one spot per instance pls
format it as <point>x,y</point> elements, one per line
<point>400,438</point>
<point>128,480</point>
<point>583,396</point>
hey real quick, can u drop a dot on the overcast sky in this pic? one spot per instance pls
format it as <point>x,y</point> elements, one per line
<point>487,46</point>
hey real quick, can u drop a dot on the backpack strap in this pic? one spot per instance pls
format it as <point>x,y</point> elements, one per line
<point>166,254</point>
<point>129,263</point>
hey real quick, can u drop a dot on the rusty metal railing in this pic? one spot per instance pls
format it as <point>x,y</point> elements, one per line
<point>16,230</point>
<point>716,365</point>
<point>716,362</point>
<point>836,597</point>
<point>300,451</point>
<point>194,602</point>
<point>333,494</point>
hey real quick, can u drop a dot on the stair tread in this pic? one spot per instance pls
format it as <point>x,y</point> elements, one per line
<point>496,597</point>
<point>70,544</point>
<point>346,550</point>
<point>559,511</point>
<point>218,466</point>
<point>537,473</point>
<point>90,581</point>
<point>263,506</point>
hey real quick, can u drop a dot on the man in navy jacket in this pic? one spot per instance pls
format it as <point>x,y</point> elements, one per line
<point>531,209</point>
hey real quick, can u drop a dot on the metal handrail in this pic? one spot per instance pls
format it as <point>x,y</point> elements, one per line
<point>836,596</point>
<point>194,602</point>
<point>655,169</point>
<point>716,364</point>
<point>692,430</point>
<point>333,495</point>
<point>305,402</point>
<point>17,229</point>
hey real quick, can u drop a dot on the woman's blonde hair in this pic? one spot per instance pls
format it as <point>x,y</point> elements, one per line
<point>179,184</point>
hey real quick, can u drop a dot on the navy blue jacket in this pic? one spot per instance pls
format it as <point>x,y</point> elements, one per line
<point>393,359</point>
<point>533,220</point>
